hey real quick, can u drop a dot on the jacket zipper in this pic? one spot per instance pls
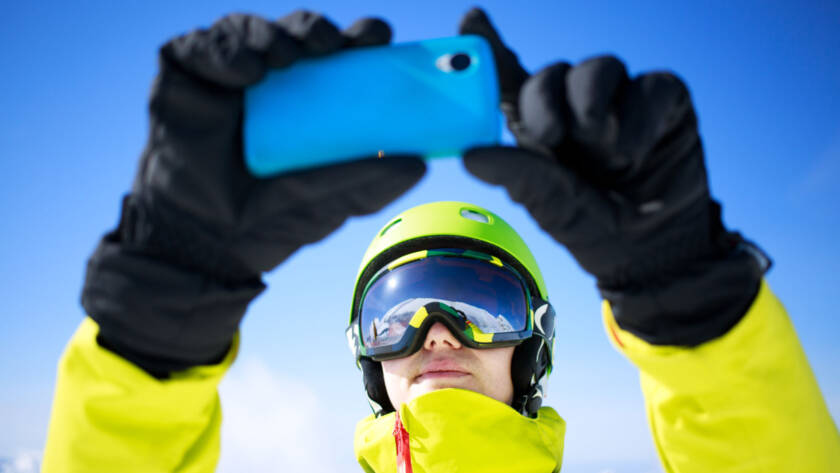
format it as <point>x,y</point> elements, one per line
<point>403,452</point>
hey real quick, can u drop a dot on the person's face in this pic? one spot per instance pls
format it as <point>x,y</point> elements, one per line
<point>443,362</point>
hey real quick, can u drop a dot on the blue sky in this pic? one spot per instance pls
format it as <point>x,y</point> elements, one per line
<point>764,76</point>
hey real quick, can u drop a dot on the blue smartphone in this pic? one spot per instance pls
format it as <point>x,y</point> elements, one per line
<point>432,98</point>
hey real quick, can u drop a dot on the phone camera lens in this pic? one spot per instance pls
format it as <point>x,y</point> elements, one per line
<point>460,61</point>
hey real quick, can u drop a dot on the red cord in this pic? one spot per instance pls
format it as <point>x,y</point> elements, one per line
<point>403,452</point>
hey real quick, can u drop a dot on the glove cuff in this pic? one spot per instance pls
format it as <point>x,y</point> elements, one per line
<point>703,302</point>
<point>161,316</point>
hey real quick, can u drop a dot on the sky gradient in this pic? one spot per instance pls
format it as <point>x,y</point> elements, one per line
<point>764,77</point>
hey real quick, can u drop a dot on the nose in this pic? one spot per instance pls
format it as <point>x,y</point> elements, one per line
<point>439,337</point>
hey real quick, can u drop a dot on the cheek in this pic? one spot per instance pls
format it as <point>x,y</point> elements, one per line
<point>396,375</point>
<point>498,382</point>
<point>398,368</point>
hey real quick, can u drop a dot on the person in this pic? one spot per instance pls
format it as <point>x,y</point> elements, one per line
<point>449,296</point>
<point>610,166</point>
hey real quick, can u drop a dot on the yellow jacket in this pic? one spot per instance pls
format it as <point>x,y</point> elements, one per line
<point>746,402</point>
<point>452,430</point>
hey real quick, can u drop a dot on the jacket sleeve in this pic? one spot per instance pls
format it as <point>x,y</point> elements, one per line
<point>745,402</point>
<point>109,415</point>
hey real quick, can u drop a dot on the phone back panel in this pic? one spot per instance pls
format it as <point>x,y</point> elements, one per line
<point>398,99</point>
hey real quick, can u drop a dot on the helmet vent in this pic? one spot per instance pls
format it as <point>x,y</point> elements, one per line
<point>389,226</point>
<point>473,215</point>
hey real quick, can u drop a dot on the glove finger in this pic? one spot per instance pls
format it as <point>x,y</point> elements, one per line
<point>283,51</point>
<point>316,34</point>
<point>368,184</point>
<point>659,128</point>
<point>593,125</point>
<point>544,109</point>
<point>306,206</point>
<point>591,89</point>
<point>652,106</point>
<point>562,204</point>
<point>230,53</point>
<point>368,32</point>
<point>510,72</point>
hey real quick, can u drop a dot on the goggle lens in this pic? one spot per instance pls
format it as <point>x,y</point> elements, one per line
<point>490,296</point>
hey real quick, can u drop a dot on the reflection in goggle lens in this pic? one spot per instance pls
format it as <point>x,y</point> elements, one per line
<point>491,297</point>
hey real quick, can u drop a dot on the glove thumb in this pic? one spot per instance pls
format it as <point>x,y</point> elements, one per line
<point>510,72</point>
<point>563,204</point>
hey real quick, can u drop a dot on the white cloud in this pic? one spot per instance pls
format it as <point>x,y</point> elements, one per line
<point>272,423</point>
<point>26,461</point>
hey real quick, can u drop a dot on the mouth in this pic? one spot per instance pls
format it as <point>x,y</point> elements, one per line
<point>431,375</point>
<point>441,369</point>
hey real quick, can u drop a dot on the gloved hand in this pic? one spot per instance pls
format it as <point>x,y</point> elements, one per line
<point>170,285</point>
<point>612,167</point>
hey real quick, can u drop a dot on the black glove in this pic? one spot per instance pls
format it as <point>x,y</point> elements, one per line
<point>612,167</point>
<point>170,285</point>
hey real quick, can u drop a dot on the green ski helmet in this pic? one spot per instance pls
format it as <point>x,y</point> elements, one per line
<point>463,226</point>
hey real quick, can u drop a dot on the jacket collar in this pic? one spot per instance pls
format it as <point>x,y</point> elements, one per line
<point>457,430</point>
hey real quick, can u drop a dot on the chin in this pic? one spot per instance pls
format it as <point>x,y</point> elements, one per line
<point>435,384</point>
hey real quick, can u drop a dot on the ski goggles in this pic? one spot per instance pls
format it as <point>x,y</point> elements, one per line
<point>483,301</point>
